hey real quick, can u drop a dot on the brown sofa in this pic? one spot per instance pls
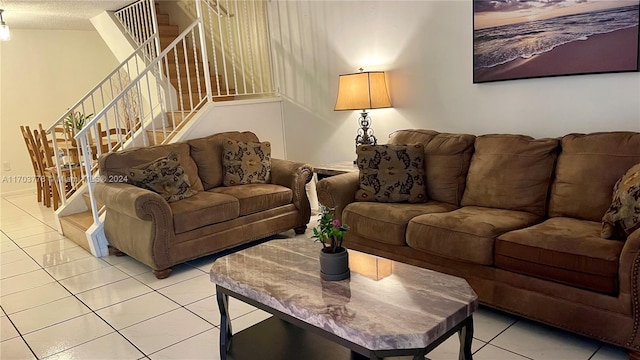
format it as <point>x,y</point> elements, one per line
<point>160,234</point>
<point>520,220</point>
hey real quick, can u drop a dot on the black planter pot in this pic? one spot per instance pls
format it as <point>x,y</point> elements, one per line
<point>334,266</point>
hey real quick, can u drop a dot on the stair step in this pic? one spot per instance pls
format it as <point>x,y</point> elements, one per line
<point>74,227</point>
<point>158,135</point>
<point>168,30</point>
<point>175,116</point>
<point>190,56</point>
<point>165,40</point>
<point>163,19</point>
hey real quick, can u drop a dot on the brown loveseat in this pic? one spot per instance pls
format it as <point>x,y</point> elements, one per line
<point>520,220</point>
<point>160,234</point>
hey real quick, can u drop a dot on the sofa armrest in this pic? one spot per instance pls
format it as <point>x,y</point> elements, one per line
<point>138,222</point>
<point>629,278</point>
<point>338,191</point>
<point>133,201</point>
<point>294,175</point>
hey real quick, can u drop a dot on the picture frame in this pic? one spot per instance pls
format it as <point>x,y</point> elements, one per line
<point>515,39</point>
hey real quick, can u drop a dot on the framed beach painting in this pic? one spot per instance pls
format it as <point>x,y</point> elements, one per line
<point>517,39</point>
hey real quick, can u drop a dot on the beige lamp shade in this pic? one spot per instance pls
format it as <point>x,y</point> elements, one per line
<point>361,91</point>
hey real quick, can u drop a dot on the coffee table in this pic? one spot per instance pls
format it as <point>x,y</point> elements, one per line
<point>405,311</point>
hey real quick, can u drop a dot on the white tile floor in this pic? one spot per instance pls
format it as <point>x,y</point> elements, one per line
<point>59,302</point>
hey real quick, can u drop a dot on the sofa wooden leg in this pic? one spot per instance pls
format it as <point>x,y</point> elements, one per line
<point>634,355</point>
<point>162,274</point>
<point>116,252</point>
<point>300,229</point>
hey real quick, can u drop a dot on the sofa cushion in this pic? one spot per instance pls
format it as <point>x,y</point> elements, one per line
<point>511,172</point>
<point>467,233</point>
<point>565,250</point>
<point>202,209</point>
<point>254,198</point>
<point>207,154</point>
<point>446,161</point>
<point>588,168</point>
<point>116,164</point>
<point>623,216</point>
<point>391,173</point>
<point>246,162</point>
<point>387,222</point>
<point>164,176</point>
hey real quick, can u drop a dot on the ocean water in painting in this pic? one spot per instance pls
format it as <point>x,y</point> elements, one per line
<point>502,44</point>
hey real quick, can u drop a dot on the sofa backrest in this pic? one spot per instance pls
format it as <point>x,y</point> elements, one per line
<point>114,165</point>
<point>446,161</point>
<point>511,172</point>
<point>207,154</point>
<point>588,167</point>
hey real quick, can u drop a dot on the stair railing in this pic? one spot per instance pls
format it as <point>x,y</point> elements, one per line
<point>66,127</point>
<point>236,39</point>
<point>239,46</point>
<point>140,22</point>
<point>149,106</point>
<point>157,96</point>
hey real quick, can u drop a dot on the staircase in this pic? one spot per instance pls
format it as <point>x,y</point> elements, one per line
<point>161,111</point>
<point>190,70</point>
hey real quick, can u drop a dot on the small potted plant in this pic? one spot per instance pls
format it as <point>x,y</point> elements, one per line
<point>334,259</point>
<point>76,120</point>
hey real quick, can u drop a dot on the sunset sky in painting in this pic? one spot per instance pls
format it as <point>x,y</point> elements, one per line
<point>490,13</point>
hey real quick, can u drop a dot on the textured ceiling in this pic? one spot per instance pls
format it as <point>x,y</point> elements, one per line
<point>56,14</point>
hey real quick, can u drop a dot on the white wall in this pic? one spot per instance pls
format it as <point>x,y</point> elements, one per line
<point>426,48</point>
<point>262,117</point>
<point>43,73</point>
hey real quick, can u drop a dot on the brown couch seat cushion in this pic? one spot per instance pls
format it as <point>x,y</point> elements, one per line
<point>511,172</point>
<point>588,168</point>
<point>254,198</point>
<point>387,222</point>
<point>565,250</point>
<point>202,209</point>
<point>446,161</point>
<point>466,234</point>
<point>207,154</point>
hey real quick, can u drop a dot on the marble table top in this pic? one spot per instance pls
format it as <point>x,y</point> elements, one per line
<point>405,308</point>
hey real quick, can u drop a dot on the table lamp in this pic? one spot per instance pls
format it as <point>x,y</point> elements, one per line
<point>363,91</point>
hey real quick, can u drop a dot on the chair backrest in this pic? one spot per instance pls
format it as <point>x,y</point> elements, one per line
<point>34,153</point>
<point>44,145</point>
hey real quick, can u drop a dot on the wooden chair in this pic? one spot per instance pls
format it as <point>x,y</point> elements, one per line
<point>115,137</point>
<point>44,195</point>
<point>50,170</point>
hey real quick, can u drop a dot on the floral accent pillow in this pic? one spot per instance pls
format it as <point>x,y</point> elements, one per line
<point>623,216</point>
<point>391,173</point>
<point>246,162</point>
<point>164,176</point>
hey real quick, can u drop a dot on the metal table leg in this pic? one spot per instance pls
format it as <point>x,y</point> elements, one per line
<point>225,323</point>
<point>466,337</point>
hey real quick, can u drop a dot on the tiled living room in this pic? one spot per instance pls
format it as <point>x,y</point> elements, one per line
<point>60,302</point>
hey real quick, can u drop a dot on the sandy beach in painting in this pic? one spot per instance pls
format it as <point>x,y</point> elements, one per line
<point>598,53</point>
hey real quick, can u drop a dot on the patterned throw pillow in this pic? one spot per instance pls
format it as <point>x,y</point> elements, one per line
<point>391,173</point>
<point>623,216</point>
<point>164,176</point>
<point>246,162</point>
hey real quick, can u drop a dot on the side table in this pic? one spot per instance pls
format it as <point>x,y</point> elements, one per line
<point>327,170</point>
